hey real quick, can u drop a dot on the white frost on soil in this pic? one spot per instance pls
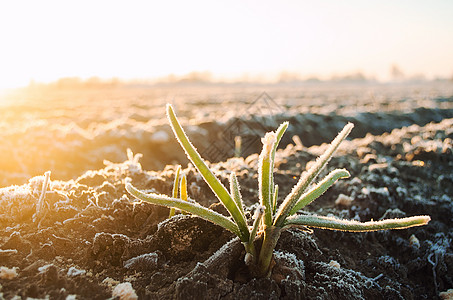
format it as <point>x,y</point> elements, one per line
<point>73,271</point>
<point>448,295</point>
<point>334,263</point>
<point>44,268</point>
<point>343,200</point>
<point>124,291</point>
<point>7,273</point>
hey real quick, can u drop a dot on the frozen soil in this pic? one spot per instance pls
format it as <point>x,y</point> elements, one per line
<point>94,236</point>
<point>92,240</point>
<point>70,132</point>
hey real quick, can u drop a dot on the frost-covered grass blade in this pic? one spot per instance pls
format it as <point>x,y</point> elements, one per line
<point>355,226</point>
<point>187,206</point>
<point>214,183</point>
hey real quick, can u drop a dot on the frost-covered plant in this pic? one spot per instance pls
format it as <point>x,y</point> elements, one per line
<point>268,221</point>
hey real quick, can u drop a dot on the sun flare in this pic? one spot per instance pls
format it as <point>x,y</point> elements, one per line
<point>51,39</point>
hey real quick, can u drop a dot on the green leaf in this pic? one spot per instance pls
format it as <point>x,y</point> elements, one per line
<point>280,131</point>
<point>274,200</point>
<point>236,192</point>
<point>266,171</point>
<point>187,206</point>
<point>265,176</point>
<point>319,189</point>
<point>307,177</point>
<point>259,212</point>
<point>175,190</point>
<point>352,225</point>
<point>176,183</point>
<point>183,188</point>
<point>214,183</point>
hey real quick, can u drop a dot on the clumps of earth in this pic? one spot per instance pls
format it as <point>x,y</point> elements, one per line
<point>94,241</point>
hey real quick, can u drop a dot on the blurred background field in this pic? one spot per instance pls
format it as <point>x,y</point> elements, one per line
<point>69,130</point>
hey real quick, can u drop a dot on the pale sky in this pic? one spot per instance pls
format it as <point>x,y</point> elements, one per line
<point>45,40</point>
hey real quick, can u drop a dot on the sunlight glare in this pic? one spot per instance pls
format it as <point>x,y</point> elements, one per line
<point>142,39</point>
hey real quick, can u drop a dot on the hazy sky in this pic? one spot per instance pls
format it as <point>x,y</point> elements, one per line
<point>45,40</point>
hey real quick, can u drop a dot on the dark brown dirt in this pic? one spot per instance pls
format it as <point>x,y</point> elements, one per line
<point>94,236</point>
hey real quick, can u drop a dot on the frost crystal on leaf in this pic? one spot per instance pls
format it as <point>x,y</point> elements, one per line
<point>269,140</point>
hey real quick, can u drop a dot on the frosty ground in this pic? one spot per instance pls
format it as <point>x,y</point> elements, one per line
<point>94,236</point>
